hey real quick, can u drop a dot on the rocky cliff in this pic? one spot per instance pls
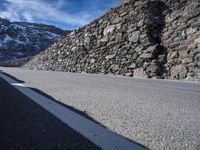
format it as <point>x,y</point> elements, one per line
<point>20,39</point>
<point>140,38</point>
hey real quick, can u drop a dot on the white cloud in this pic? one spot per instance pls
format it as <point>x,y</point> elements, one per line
<point>31,10</point>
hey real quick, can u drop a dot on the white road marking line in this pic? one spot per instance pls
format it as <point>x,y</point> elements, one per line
<point>102,137</point>
<point>17,84</point>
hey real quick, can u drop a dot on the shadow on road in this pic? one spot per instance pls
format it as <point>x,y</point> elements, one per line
<point>26,125</point>
<point>12,77</point>
<point>53,99</point>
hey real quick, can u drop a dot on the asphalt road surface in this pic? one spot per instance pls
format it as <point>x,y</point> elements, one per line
<point>159,114</point>
<point>25,125</point>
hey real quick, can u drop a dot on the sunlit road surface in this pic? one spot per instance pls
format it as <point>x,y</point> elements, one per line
<point>156,113</point>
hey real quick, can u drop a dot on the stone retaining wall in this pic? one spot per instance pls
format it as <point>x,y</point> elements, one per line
<point>150,39</point>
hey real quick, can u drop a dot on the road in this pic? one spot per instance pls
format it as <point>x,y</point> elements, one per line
<point>160,114</point>
<point>25,125</point>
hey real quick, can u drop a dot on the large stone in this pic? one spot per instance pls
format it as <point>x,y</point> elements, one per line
<point>123,27</point>
<point>129,74</point>
<point>184,54</point>
<point>114,67</point>
<point>139,49</point>
<point>134,37</point>
<point>119,37</point>
<point>92,61</point>
<point>116,20</point>
<point>146,56</point>
<point>140,23</point>
<point>153,70</point>
<point>187,60</point>
<point>109,29</point>
<point>197,57</point>
<point>174,55</point>
<point>140,73</point>
<point>178,71</point>
<point>87,40</point>
<point>152,49</point>
<point>197,41</point>
<point>104,39</point>
<point>191,10</point>
<point>132,66</point>
<point>162,58</point>
<point>145,41</point>
<point>108,57</point>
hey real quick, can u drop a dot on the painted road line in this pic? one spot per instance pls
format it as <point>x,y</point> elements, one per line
<point>97,134</point>
<point>17,84</point>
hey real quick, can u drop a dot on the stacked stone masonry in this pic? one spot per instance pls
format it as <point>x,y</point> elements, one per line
<point>140,38</point>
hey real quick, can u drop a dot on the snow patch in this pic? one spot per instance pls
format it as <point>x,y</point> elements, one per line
<point>3,27</point>
<point>17,27</point>
<point>7,39</point>
<point>52,35</point>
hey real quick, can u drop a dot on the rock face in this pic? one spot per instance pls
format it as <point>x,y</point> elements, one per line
<point>154,39</point>
<point>20,39</point>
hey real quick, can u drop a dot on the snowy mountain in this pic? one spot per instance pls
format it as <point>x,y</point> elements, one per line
<point>21,39</point>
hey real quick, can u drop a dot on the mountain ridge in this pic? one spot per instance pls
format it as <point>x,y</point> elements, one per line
<point>23,39</point>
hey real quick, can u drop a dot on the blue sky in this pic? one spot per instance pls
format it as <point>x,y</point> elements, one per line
<point>66,14</point>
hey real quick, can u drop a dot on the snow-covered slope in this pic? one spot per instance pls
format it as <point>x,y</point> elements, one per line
<point>21,39</point>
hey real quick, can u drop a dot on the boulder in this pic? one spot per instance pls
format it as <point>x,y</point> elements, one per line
<point>109,29</point>
<point>178,71</point>
<point>134,37</point>
<point>140,73</point>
